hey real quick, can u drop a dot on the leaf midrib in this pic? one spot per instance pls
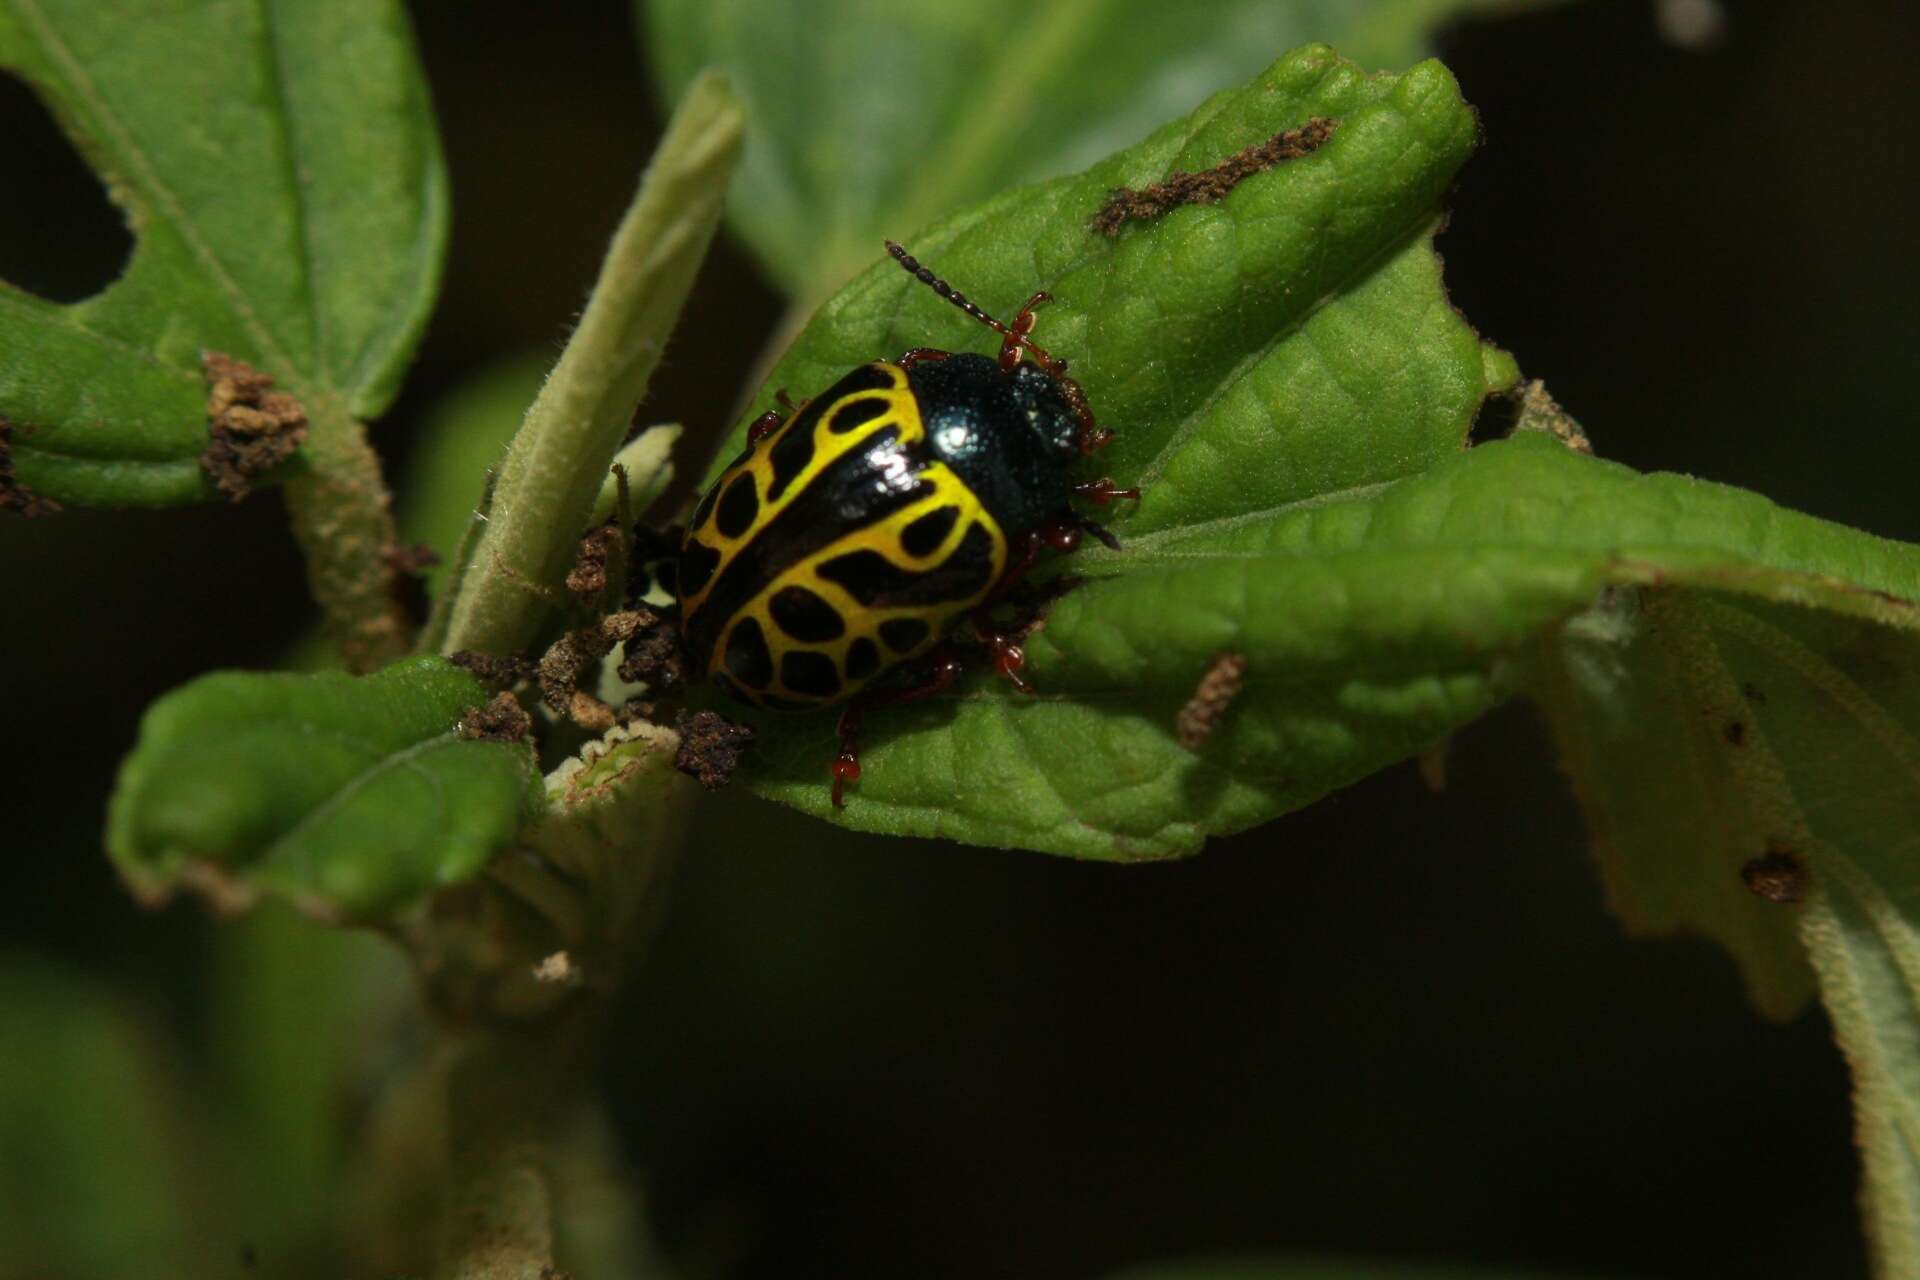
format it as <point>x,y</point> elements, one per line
<point>384,763</point>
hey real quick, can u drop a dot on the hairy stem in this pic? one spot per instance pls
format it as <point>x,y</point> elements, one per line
<point>343,520</point>
<point>558,460</point>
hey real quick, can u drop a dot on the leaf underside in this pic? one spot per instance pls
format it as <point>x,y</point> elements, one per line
<point>1713,735</point>
<point>279,166</point>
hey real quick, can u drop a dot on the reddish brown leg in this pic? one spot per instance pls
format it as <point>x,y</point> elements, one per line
<point>1008,656</point>
<point>921,355</point>
<point>846,765</point>
<point>769,422</point>
<point>1103,491</point>
<point>1015,339</point>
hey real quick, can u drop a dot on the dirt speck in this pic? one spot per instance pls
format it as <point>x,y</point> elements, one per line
<point>1211,698</point>
<point>710,746</point>
<point>253,427</point>
<point>502,720</point>
<point>1209,186</point>
<point>1778,875</point>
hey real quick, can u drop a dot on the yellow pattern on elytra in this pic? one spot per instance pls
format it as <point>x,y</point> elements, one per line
<point>902,411</point>
<point>882,537</point>
<point>863,620</point>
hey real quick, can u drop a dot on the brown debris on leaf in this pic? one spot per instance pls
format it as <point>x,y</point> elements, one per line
<point>254,427</point>
<point>710,746</point>
<point>14,496</point>
<point>1215,693</point>
<point>492,670</point>
<point>572,655</point>
<point>1209,186</point>
<point>1778,875</point>
<point>588,577</point>
<point>654,656</point>
<point>1541,412</point>
<point>502,720</point>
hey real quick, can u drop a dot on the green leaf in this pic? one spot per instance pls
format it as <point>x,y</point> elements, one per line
<point>1717,740</point>
<point>1372,625</point>
<point>105,1173</point>
<point>299,1020</point>
<point>872,119</point>
<point>279,166</point>
<point>349,796</point>
<point>1266,354</point>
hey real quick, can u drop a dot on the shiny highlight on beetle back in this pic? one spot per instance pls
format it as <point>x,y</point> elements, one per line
<point>833,549</point>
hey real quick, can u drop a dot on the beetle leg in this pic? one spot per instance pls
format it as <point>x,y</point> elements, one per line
<point>1103,491</point>
<point>921,355</point>
<point>1008,656</point>
<point>769,422</point>
<point>764,425</point>
<point>1016,337</point>
<point>846,765</point>
<point>1100,532</point>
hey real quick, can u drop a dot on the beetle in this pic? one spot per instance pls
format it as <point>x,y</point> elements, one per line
<point>858,525</point>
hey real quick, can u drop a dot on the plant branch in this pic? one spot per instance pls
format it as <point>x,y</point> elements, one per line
<point>342,518</point>
<point>558,460</point>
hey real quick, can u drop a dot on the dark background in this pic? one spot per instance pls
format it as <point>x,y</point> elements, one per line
<point>1396,1024</point>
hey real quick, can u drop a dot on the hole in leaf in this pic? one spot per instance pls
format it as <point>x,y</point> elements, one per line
<point>60,237</point>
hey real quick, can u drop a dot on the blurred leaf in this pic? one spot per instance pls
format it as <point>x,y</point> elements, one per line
<point>279,166</point>
<point>1252,1269</point>
<point>300,1029</point>
<point>350,797</point>
<point>1718,743</point>
<point>872,118</point>
<point>100,1177</point>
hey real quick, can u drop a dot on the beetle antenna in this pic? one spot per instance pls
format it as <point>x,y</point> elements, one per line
<point>966,304</point>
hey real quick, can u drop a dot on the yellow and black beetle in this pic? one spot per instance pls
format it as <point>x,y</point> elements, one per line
<point>859,524</point>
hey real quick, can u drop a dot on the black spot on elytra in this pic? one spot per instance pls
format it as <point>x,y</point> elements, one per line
<point>805,616</point>
<point>806,672</point>
<point>794,448</point>
<point>697,563</point>
<point>793,451</point>
<point>924,535</point>
<point>872,579</point>
<point>857,414</point>
<point>738,508</point>
<point>903,635</point>
<point>863,659</point>
<point>747,658</point>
